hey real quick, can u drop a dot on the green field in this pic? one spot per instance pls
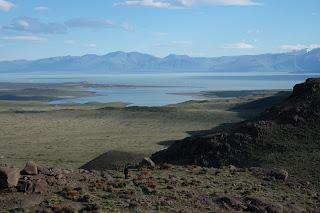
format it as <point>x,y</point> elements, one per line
<point>71,135</point>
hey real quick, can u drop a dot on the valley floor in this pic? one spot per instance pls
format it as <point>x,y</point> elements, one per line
<point>70,135</point>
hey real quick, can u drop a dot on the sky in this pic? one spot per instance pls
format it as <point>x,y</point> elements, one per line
<point>33,29</point>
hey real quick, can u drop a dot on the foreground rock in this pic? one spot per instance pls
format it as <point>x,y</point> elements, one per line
<point>31,168</point>
<point>249,204</point>
<point>164,189</point>
<point>148,163</point>
<point>9,177</point>
<point>279,174</point>
<point>40,186</point>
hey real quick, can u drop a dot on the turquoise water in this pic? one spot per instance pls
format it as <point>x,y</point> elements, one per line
<point>158,89</point>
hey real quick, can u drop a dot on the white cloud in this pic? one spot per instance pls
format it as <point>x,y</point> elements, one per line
<point>6,5</point>
<point>144,3</point>
<point>26,38</point>
<point>314,46</point>
<point>28,25</point>
<point>96,24</point>
<point>295,47</point>
<point>220,2</point>
<point>23,23</point>
<point>41,8</point>
<point>91,45</point>
<point>184,3</point>
<point>240,45</point>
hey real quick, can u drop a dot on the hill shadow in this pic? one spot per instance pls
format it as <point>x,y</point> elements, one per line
<point>118,159</point>
<point>252,109</point>
<point>113,160</point>
<point>246,111</point>
<point>199,133</point>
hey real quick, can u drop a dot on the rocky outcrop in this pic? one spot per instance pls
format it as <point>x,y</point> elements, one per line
<point>174,188</point>
<point>301,107</point>
<point>30,169</point>
<point>9,177</point>
<point>246,143</point>
<point>27,180</point>
<point>279,174</point>
<point>148,163</point>
<point>213,150</point>
<point>40,186</point>
<point>252,204</point>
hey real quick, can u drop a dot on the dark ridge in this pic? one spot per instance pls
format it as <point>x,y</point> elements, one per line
<point>302,105</point>
<point>286,135</point>
<point>112,160</point>
<point>250,109</point>
<point>263,103</point>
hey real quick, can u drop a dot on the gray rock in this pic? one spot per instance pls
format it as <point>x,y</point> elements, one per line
<point>9,177</point>
<point>25,186</point>
<point>40,186</point>
<point>275,208</point>
<point>279,174</point>
<point>147,162</point>
<point>31,168</point>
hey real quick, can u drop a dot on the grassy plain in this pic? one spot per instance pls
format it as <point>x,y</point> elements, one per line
<point>71,135</point>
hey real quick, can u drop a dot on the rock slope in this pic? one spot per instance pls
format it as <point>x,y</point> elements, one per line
<point>167,188</point>
<point>287,135</point>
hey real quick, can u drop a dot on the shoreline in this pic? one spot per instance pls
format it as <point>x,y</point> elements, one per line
<point>59,93</point>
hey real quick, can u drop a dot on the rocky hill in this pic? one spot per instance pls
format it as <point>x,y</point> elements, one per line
<point>285,136</point>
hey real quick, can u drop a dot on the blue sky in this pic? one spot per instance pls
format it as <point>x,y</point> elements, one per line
<point>31,29</point>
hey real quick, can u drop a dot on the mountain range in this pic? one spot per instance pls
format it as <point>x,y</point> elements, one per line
<point>303,61</point>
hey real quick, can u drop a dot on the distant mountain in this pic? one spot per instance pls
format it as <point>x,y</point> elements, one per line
<point>299,61</point>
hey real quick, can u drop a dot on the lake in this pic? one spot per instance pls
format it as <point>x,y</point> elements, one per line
<point>161,89</point>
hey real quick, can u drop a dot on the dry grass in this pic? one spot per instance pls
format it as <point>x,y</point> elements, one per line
<point>70,136</point>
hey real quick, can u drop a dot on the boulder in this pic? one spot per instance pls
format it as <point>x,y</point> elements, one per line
<point>106,175</point>
<point>275,208</point>
<point>40,186</point>
<point>9,177</point>
<point>279,174</point>
<point>233,168</point>
<point>230,202</point>
<point>25,186</point>
<point>31,168</point>
<point>147,162</point>
<point>44,170</point>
